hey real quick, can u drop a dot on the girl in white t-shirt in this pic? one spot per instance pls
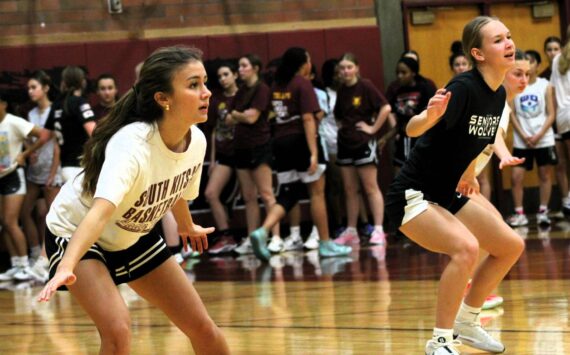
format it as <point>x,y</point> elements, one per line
<point>143,160</point>
<point>43,176</point>
<point>13,132</point>
<point>532,118</point>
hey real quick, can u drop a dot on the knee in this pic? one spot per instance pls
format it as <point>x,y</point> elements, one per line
<point>117,336</point>
<point>267,196</point>
<point>516,247</point>
<point>466,255</point>
<point>211,194</point>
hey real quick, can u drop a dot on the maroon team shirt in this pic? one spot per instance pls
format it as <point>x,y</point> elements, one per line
<point>289,103</point>
<point>249,136</point>
<point>100,111</point>
<point>360,102</point>
<point>220,105</point>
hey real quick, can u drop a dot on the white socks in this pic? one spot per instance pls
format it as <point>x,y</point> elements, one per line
<point>467,313</point>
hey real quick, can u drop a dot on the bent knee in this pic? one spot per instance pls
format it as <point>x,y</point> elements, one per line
<point>467,254</point>
<point>117,334</point>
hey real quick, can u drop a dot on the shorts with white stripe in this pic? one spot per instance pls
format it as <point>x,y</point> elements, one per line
<point>124,265</point>
<point>360,156</point>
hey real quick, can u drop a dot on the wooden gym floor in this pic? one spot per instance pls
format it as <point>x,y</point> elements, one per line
<point>297,304</point>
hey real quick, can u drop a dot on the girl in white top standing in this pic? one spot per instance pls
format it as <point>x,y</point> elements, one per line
<point>14,131</point>
<point>560,81</point>
<point>532,118</point>
<point>143,160</point>
<point>43,176</point>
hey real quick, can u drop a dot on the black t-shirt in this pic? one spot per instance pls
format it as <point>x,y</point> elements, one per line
<point>66,118</point>
<point>443,153</point>
<point>410,100</point>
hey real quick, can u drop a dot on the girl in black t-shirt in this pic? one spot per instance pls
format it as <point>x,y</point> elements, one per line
<point>410,99</point>
<point>458,124</point>
<point>72,119</point>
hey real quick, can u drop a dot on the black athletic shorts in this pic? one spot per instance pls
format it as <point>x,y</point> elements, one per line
<point>149,252</point>
<point>543,156</point>
<point>254,157</point>
<point>404,204</point>
<point>14,183</point>
<point>225,159</point>
<point>360,156</point>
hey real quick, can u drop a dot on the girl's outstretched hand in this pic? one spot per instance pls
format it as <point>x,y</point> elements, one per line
<point>438,104</point>
<point>61,278</point>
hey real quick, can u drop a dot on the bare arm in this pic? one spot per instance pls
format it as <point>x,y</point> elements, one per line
<point>311,135</point>
<point>429,117</point>
<point>249,116</point>
<point>187,228</point>
<point>43,136</point>
<point>54,163</point>
<point>89,127</point>
<point>86,234</point>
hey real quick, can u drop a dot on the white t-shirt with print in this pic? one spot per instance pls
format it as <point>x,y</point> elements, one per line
<point>38,172</point>
<point>13,131</point>
<point>141,177</point>
<point>485,156</point>
<point>530,108</point>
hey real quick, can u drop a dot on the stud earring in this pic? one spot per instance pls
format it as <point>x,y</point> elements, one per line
<point>167,108</point>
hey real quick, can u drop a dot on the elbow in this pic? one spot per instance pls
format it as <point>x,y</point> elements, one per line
<point>410,132</point>
<point>45,136</point>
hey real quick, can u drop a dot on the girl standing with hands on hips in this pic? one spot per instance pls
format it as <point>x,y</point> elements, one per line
<point>459,122</point>
<point>143,160</point>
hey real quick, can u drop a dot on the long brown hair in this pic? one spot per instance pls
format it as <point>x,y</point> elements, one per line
<point>137,105</point>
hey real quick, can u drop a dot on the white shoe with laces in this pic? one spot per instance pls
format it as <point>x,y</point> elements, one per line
<point>442,347</point>
<point>276,244</point>
<point>8,275</point>
<point>473,335</point>
<point>312,242</point>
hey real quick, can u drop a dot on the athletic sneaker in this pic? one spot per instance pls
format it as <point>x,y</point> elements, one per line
<point>23,274</point>
<point>542,219</point>
<point>312,242</point>
<point>244,248</point>
<point>517,220</point>
<point>556,215</point>
<point>328,248</point>
<point>473,335</point>
<point>224,245</point>
<point>378,238</point>
<point>442,347</point>
<point>566,208</point>
<point>293,242</point>
<point>492,301</point>
<point>276,244</point>
<point>366,230</point>
<point>259,244</point>
<point>347,237</point>
<point>8,275</point>
<point>40,270</point>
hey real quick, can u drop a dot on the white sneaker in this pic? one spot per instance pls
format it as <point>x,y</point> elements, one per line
<point>8,275</point>
<point>244,247</point>
<point>542,219</point>
<point>23,274</point>
<point>276,244</point>
<point>441,347</point>
<point>312,242</point>
<point>517,220</point>
<point>40,271</point>
<point>293,242</point>
<point>473,335</point>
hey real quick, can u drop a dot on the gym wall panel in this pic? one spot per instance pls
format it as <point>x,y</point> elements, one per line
<point>56,55</point>
<point>312,41</point>
<point>433,42</point>
<point>116,58</point>
<point>234,46</point>
<point>365,44</point>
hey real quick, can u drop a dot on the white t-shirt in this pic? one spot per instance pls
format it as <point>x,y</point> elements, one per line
<point>530,108</point>
<point>141,177</point>
<point>13,131</point>
<point>328,129</point>
<point>485,156</point>
<point>561,84</point>
<point>38,173</point>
